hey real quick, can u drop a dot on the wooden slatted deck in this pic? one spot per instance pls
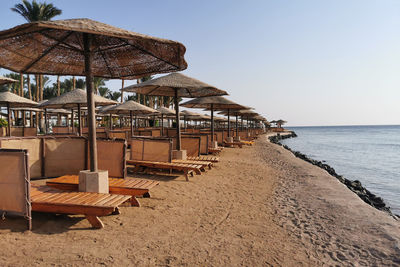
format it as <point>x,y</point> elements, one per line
<point>185,168</point>
<point>205,158</point>
<point>92,205</point>
<point>215,151</point>
<point>128,186</point>
<point>204,164</point>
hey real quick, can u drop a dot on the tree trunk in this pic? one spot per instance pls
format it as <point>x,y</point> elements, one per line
<point>74,83</point>
<point>37,87</point>
<point>58,86</point>
<point>122,92</point>
<point>41,87</point>
<point>21,84</point>
<point>29,88</point>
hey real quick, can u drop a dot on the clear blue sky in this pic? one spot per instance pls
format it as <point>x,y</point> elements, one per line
<point>309,62</point>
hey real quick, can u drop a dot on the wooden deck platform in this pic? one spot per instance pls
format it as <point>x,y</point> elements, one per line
<point>128,186</point>
<point>204,164</point>
<point>185,168</point>
<point>205,158</point>
<point>92,205</point>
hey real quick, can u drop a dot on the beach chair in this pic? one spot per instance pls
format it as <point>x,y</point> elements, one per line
<point>128,186</point>
<point>203,164</point>
<point>17,195</point>
<point>149,154</point>
<point>91,205</point>
<point>204,158</point>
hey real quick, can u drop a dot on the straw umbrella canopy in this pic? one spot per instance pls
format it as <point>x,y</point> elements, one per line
<point>84,47</point>
<point>11,100</point>
<point>5,80</point>
<point>164,111</point>
<point>131,107</point>
<point>75,98</point>
<point>214,103</point>
<point>176,85</point>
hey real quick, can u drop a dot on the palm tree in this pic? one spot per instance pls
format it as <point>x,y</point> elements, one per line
<point>34,11</point>
<point>104,91</point>
<point>98,82</point>
<point>114,95</point>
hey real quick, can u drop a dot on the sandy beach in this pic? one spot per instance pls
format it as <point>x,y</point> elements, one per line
<point>260,206</point>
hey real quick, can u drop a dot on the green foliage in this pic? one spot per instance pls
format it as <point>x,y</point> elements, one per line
<point>114,95</point>
<point>3,123</point>
<point>103,91</point>
<point>130,97</point>
<point>34,11</point>
<point>145,78</point>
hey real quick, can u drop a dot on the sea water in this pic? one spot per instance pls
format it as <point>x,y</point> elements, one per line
<point>370,154</point>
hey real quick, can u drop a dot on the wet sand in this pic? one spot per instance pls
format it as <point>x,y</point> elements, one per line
<point>259,206</point>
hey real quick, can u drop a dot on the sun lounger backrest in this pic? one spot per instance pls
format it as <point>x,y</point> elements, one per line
<point>30,131</point>
<point>111,157</point>
<point>64,155</point>
<point>33,146</point>
<point>151,149</point>
<point>17,131</point>
<point>189,143</point>
<point>170,132</point>
<point>120,134</point>
<point>15,183</point>
<point>203,141</point>
<point>61,129</point>
<point>220,137</point>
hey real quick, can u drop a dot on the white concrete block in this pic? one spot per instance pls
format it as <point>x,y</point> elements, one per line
<point>93,181</point>
<point>179,154</point>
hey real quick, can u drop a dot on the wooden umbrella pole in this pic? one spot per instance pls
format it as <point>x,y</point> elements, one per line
<point>72,120</point>
<point>229,123</point>
<point>178,126</point>
<point>79,120</point>
<point>136,122</point>
<point>237,129</point>
<point>162,124</point>
<point>241,123</point>
<point>87,41</point>
<point>212,123</point>
<point>46,124</point>
<point>131,121</point>
<point>122,92</point>
<point>9,119</point>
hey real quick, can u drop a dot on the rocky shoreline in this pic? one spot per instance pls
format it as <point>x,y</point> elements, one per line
<point>355,186</point>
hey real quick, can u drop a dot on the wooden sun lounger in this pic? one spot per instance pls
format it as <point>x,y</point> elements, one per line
<point>92,205</point>
<point>128,186</point>
<point>204,158</point>
<point>249,143</point>
<point>214,151</point>
<point>185,168</point>
<point>204,164</point>
<point>230,144</point>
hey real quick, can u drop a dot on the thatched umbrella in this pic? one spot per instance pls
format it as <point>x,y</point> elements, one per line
<point>131,107</point>
<point>5,80</point>
<point>11,100</point>
<point>84,47</point>
<point>242,113</point>
<point>176,85</point>
<point>164,111</point>
<point>75,98</point>
<point>214,103</point>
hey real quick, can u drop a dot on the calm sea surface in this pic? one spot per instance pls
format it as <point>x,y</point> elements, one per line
<point>370,154</point>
